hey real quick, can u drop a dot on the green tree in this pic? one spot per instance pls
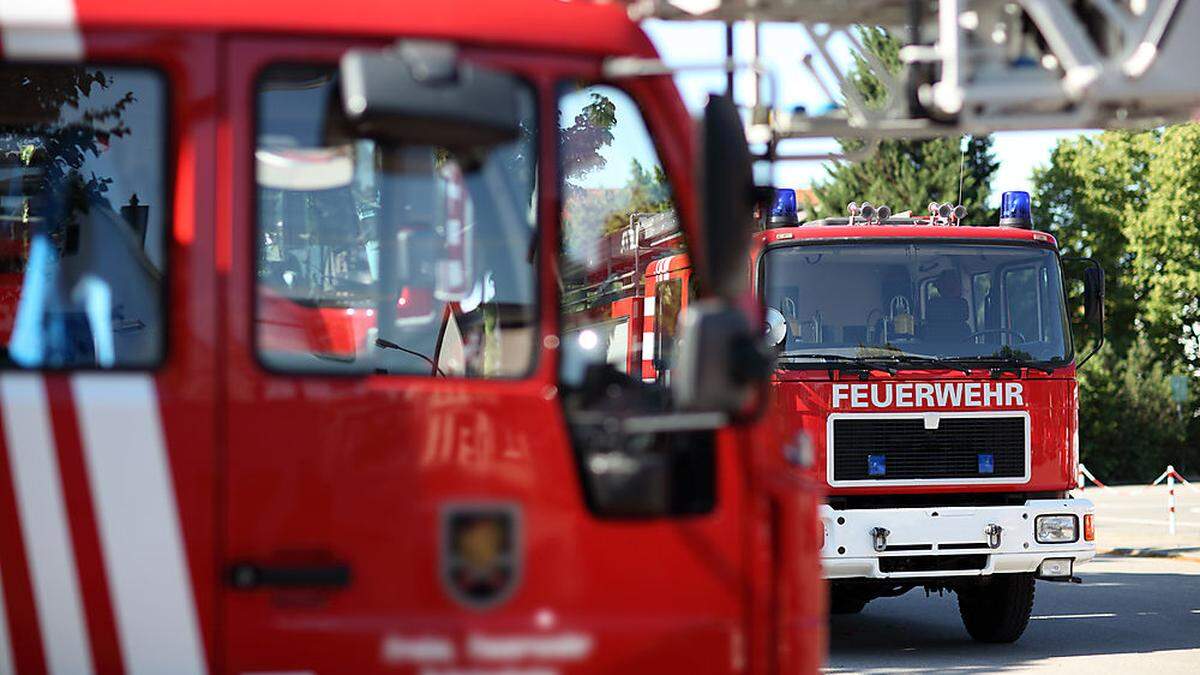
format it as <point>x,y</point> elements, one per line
<point>1086,197</point>
<point>646,191</point>
<point>591,130</point>
<point>1130,429</point>
<point>1130,200</point>
<point>1165,247</point>
<point>906,174</point>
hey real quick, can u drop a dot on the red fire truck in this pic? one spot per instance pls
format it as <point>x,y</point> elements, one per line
<point>295,376</point>
<point>929,363</point>
<point>925,370</point>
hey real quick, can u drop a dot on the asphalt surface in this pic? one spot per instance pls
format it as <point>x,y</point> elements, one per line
<point>1130,615</point>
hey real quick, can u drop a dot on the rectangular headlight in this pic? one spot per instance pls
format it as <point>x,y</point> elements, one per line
<point>1056,529</point>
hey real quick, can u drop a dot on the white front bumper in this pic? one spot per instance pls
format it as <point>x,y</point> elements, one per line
<point>849,551</point>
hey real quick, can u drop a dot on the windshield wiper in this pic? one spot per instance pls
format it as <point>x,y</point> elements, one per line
<point>1008,364</point>
<point>888,362</point>
<point>388,344</point>
<point>839,362</point>
<point>934,361</point>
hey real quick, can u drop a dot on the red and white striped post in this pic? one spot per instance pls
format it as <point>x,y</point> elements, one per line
<point>1171,499</point>
<point>1084,473</point>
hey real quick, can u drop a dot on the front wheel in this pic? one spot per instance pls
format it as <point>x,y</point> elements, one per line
<point>998,609</point>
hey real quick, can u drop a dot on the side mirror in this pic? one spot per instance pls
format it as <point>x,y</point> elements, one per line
<point>1093,301</point>
<point>774,327</point>
<point>1093,296</point>
<point>419,93</point>
<point>720,362</point>
<point>727,199</point>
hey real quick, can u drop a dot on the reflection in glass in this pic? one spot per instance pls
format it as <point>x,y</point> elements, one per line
<point>382,259</point>
<point>82,216</point>
<point>618,218</point>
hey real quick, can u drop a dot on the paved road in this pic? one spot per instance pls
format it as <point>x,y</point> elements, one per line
<point>1131,615</point>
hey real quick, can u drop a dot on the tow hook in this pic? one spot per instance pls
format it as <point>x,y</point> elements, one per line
<point>879,539</point>
<point>993,534</point>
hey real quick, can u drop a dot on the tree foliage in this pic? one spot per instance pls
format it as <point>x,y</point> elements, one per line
<point>645,192</point>
<point>45,125</point>
<point>1130,429</point>
<point>1130,200</point>
<point>591,130</point>
<point>906,174</point>
<point>592,212</point>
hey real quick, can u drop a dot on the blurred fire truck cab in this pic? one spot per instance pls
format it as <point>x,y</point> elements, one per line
<point>294,305</point>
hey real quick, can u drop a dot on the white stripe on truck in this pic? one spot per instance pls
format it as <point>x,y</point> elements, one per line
<point>134,498</point>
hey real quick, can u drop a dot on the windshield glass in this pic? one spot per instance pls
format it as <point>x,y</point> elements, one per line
<point>915,299</point>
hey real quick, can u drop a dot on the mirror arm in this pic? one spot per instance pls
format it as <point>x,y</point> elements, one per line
<point>1100,338</point>
<point>1095,348</point>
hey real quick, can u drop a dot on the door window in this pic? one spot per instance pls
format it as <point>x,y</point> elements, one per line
<point>618,218</point>
<point>668,304</point>
<point>83,216</point>
<point>623,255</point>
<point>378,259</point>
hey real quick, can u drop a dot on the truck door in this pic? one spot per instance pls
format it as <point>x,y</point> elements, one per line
<point>376,408</point>
<point>401,492</point>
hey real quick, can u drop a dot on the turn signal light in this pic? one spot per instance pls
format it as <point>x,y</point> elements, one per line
<point>1089,528</point>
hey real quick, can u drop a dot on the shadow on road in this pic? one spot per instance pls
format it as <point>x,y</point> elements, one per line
<point>1123,608</point>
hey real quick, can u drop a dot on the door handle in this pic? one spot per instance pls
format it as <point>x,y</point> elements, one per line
<point>249,576</point>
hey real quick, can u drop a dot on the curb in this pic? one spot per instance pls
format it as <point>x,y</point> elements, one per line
<point>1188,553</point>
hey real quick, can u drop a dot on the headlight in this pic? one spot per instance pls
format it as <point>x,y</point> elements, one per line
<point>1056,529</point>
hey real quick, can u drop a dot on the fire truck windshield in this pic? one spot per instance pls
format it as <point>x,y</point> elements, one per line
<point>923,303</point>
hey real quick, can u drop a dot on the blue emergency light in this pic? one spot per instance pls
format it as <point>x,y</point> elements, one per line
<point>1015,210</point>
<point>783,211</point>
<point>987,463</point>
<point>876,465</point>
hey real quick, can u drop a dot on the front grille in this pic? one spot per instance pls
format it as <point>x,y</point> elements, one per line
<point>931,563</point>
<point>889,449</point>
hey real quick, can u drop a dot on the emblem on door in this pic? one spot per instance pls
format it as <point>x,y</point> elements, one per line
<point>481,552</point>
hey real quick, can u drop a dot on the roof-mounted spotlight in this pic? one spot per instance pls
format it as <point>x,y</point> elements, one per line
<point>867,211</point>
<point>883,212</point>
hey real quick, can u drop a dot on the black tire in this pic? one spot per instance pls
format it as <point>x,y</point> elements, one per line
<point>841,602</point>
<point>998,609</point>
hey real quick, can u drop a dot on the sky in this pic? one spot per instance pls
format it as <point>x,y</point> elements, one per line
<point>783,46</point>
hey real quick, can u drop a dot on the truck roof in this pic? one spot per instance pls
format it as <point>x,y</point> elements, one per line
<point>575,25</point>
<point>902,231</point>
